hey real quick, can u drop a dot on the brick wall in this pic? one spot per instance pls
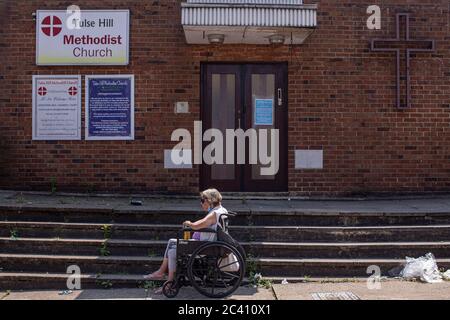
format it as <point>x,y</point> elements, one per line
<point>341,99</point>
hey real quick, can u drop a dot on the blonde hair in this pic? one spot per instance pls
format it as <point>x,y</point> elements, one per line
<point>213,197</point>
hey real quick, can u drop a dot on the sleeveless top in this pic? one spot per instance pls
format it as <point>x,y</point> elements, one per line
<point>205,236</point>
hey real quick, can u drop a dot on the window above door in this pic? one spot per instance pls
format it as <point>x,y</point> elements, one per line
<point>248,21</point>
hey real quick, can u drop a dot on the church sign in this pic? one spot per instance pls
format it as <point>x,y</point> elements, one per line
<point>92,37</point>
<point>56,107</point>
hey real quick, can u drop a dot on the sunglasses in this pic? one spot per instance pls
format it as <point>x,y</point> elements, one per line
<point>202,201</point>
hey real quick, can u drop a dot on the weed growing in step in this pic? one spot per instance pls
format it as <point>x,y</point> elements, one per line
<point>149,285</point>
<point>107,231</point>
<point>20,199</point>
<point>53,185</point>
<point>104,252</point>
<point>14,234</point>
<point>105,284</point>
<point>255,277</point>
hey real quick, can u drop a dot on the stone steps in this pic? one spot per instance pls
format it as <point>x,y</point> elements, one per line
<point>245,218</point>
<point>37,245</point>
<point>150,248</point>
<point>241,233</point>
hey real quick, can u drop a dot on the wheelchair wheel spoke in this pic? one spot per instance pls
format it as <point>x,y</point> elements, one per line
<point>223,281</point>
<point>208,275</point>
<point>231,275</point>
<point>230,264</point>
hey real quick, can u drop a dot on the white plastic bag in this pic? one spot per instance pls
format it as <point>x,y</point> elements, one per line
<point>229,264</point>
<point>446,275</point>
<point>423,268</point>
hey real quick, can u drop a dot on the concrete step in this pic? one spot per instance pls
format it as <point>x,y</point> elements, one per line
<point>88,264</point>
<point>56,281</point>
<point>269,267</point>
<point>424,233</point>
<point>149,248</point>
<point>348,268</point>
<point>288,217</point>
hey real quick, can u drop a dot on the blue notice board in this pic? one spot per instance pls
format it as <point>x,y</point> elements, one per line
<point>264,112</point>
<point>110,108</point>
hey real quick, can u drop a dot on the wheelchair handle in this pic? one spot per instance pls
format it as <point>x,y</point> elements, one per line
<point>230,214</point>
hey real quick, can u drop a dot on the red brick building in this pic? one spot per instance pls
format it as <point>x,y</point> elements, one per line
<point>333,95</point>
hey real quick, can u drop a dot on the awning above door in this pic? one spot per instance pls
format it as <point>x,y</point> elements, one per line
<point>248,21</point>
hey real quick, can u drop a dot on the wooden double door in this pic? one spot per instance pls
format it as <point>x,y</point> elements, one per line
<point>246,96</point>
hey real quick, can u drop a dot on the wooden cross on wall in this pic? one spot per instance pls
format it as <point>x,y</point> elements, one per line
<point>403,44</point>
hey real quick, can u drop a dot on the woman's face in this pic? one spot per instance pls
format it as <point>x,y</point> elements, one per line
<point>205,205</point>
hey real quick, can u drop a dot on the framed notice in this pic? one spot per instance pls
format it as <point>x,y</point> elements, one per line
<point>86,37</point>
<point>110,107</point>
<point>264,112</point>
<point>56,107</point>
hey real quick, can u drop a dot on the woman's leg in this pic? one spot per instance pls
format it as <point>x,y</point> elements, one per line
<point>161,272</point>
<point>172,264</point>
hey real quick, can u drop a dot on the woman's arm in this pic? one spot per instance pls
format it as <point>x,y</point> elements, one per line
<point>204,223</point>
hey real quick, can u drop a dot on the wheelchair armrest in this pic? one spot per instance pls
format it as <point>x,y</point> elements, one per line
<point>208,230</point>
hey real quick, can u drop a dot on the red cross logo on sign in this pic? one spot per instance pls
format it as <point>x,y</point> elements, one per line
<point>51,26</point>
<point>42,91</point>
<point>73,91</point>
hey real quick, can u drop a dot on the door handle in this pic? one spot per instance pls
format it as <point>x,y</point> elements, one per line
<point>280,97</point>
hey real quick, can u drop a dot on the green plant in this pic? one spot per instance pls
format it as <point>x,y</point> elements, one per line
<point>14,234</point>
<point>20,198</point>
<point>254,276</point>
<point>104,252</point>
<point>105,284</point>
<point>107,231</point>
<point>53,185</point>
<point>149,285</point>
<point>265,283</point>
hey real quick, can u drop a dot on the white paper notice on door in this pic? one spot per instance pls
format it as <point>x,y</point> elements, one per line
<point>57,107</point>
<point>263,112</point>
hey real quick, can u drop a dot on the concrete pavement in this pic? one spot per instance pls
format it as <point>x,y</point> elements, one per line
<point>390,290</point>
<point>244,293</point>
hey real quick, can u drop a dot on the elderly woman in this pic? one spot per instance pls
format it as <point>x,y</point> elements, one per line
<point>211,201</point>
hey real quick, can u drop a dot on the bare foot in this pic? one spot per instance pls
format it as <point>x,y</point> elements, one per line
<point>159,291</point>
<point>155,276</point>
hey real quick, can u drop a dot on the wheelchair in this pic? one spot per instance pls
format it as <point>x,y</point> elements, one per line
<point>215,269</point>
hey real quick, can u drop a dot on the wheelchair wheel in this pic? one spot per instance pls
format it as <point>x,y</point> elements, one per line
<point>216,270</point>
<point>171,289</point>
